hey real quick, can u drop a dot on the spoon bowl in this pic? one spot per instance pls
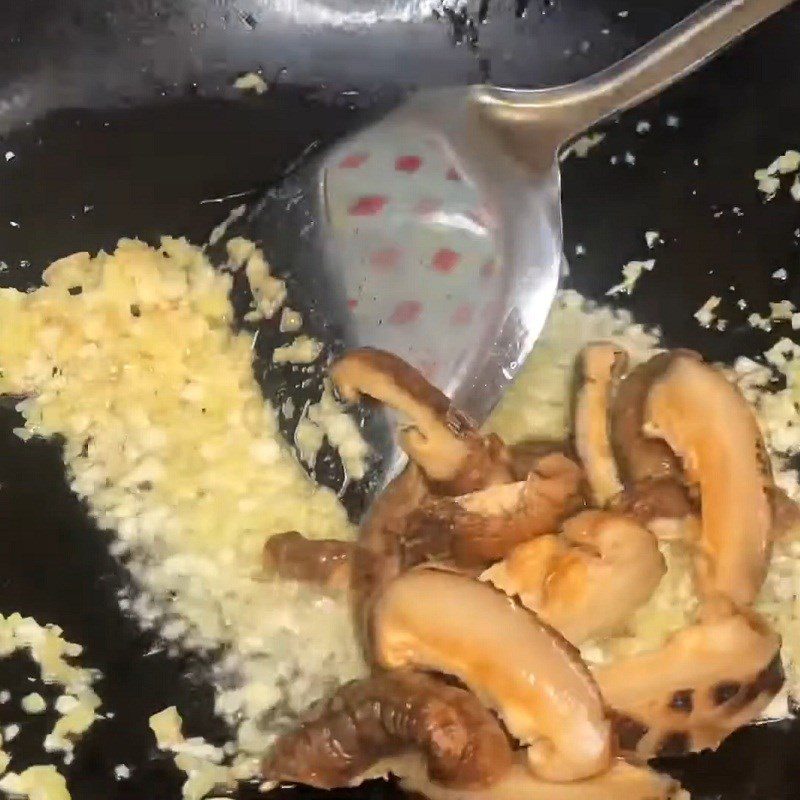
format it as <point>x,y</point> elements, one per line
<point>436,232</point>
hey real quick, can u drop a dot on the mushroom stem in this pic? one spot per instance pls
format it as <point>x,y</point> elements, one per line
<point>622,781</point>
<point>327,562</point>
<point>599,367</point>
<point>459,742</point>
<point>526,671</point>
<point>708,423</point>
<point>709,679</point>
<point>439,438</point>
<point>380,556</point>
<point>588,581</point>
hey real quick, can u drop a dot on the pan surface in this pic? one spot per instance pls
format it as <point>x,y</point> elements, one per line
<point>121,120</point>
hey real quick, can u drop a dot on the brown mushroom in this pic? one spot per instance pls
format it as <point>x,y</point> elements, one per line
<point>599,367</point>
<point>526,454</point>
<point>785,514</point>
<point>439,438</point>
<point>589,580</point>
<point>707,422</point>
<point>622,781</point>
<point>460,743</point>
<point>708,679</point>
<point>326,562</point>
<point>436,620</point>
<point>380,556</point>
<point>650,471</point>
<point>476,529</point>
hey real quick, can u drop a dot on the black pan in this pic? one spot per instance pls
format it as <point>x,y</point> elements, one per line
<point>122,121</point>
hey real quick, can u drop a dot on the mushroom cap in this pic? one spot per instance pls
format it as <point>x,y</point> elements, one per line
<point>459,741</point>
<point>475,529</point>
<point>599,366</point>
<point>708,679</point>
<point>588,581</point>
<point>639,457</point>
<point>707,422</point>
<point>622,781</point>
<point>435,620</point>
<point>442,440</point>
<point>380,556</point>
<point>650,471</point>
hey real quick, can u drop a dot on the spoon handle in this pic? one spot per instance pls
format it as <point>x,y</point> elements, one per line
<point>562,112</point>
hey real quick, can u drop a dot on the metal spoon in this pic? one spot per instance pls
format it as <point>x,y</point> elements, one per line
<point>436,233</point>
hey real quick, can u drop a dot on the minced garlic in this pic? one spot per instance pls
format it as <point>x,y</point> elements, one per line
<point>41,782</point>
<point>251,82</point>
<point>170,443</point>
<point>768,180</point>
<point>705,315</point>
<point>303,350</point>
<point>581,146</point>
<point>239,250</point>
<point>631,272</point>
<point>291,320</point>
<point>268,292</point>
<point>200,760</point>
<point>33,703</point>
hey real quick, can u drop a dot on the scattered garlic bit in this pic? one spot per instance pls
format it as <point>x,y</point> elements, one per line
<point>751,377</point>
<point>239,250</point>
<point>251,82</point>
<point>268,292</point>
<point>303,350</point>
<point>769,183</point>
<point>782,310</point>
<point>652,238</point>
<point>167,727</point>
<point>291,320</point>
<point>10,732</point>
<point>631,273</point>
<point>794,189</point>
<point>185,463</point>
<point>787,163</point>
<point>341,431</point>
<point>581,147</point>
<point>780,274</point>
<point>288,407</point>
<point>705,314</point>
<point>757,321</point>
<point>76,715</point>
<point>121,772</point>
<point>65,703</point>
<point>43,782</point>
<point>5,696</point>
<point>33,703</point>
<point>45,646</point>
<point>308,440</point>
<point>642,126</point>
<point>220,230</point>
<point>200,760</point>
